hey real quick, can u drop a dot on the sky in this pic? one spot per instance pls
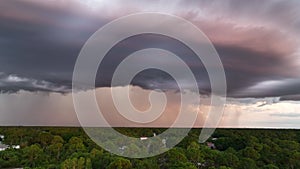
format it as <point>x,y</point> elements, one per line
<point>257,42</point>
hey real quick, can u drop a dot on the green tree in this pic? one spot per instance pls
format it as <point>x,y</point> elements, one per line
<point>75,144</point>
<point>224,167</point>
<point>96,157</point>
<point>247,163</point>
<point>228,159</point>
<point>250,152</point>
<point>45,139</point>
<point>69,163</point>
<point>56,146</point>
<point>270,166</point>
<point>9,158</point>
<point>120,163</point>
<point>33,155</point>
<point>175,158</point>
<point>194,154</point>
<point>294,160</point>
<point>88,163</point>
<point>145,163</point>
<point>80,163</point>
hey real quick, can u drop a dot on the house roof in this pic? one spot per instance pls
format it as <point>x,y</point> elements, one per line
<point>3,146</point>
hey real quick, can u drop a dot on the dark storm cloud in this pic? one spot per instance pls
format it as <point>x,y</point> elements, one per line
<point>13,83</point>
<point>290,97</point>
<point>286,88</point>
<point>39,43</point>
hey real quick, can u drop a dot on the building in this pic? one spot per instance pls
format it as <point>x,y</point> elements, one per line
<point>144,138</point>
<point>16,146</point>
<point>211,145</point>
<point>3,147</point>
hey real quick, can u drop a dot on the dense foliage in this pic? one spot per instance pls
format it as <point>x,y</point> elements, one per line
<point>70,148</point>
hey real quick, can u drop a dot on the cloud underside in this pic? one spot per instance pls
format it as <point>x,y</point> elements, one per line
<point>259,50</point>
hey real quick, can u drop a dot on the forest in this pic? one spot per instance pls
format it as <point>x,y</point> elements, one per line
<point>71,148</point>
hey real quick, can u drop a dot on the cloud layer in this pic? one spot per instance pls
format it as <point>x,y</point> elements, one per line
<point>40,42</point>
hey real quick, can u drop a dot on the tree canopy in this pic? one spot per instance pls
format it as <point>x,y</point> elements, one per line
<point>71,148</point>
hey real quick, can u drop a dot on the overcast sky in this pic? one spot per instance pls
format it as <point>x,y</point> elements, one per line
<point>257,41</point>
